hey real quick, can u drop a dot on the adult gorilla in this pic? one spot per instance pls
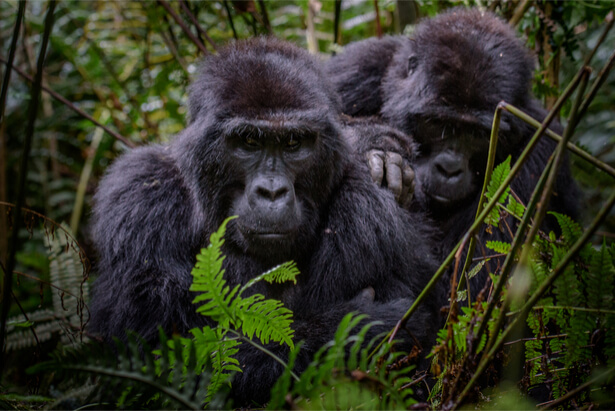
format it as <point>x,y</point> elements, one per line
<point>265,143</point>
<point>442,88</point>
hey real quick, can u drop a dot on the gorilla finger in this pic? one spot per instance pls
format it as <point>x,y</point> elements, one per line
<point>408,186</point>
<point>394,174</point>
<point>375,160</point>
<point>408,177</point>
<point>365,296</point>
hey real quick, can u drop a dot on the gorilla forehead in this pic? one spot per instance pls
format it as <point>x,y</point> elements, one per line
<point>474,58</point>
<point>258,77</point>
<point>464,62</point>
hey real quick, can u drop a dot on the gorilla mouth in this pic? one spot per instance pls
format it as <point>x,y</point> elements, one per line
<point>270,236</point>
<point>440,199</point>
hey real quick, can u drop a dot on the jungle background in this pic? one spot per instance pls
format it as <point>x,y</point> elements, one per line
<point>115,75</point>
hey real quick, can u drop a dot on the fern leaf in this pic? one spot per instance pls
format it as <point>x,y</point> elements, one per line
<point>476,269</point>
<point>287,271</point>
<point>516,208</point>
<point>208,279</point>
<point>571,231</point>
<point>267,319</point>
<point>500,173</point>
<point>600,278</point>
<point>498,246</point>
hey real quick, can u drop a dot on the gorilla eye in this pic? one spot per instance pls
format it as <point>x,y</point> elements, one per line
<point>293,144</point>
<point>251,141</point>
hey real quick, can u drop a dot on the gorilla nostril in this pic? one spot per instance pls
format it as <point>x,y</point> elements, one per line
<point>448,170</point>
<point>272,194</point>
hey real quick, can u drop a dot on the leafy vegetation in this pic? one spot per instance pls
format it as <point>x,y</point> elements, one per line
<point>115,76</point>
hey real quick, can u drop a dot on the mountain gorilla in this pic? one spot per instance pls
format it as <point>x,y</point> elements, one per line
<point>442,88</point>
<point>264,143</point>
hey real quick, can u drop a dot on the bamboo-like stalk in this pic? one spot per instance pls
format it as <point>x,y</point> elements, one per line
<point>517,242</point>
<point>559,269</point>
<point>602,76</point>
<point>493,145</point>
<point>570,394</point>
<point>556,137</point>
<point>479,220</point>
<point>7,74</point>
<point>23,172</point>
<point>544,201</point>
<point>492,345</point>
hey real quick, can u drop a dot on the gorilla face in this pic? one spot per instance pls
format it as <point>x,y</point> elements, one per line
<point>450,164</point>
<point>273,162</point>
<point>268,208</point>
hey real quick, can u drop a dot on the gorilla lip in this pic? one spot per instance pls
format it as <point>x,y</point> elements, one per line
<point>270,236</point>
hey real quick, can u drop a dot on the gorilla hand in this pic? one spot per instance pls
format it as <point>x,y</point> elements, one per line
<point>389,169</point>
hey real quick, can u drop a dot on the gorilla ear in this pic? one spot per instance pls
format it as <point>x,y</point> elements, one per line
<point>413,62</point>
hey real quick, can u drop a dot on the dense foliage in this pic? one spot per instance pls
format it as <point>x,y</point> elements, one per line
<point>544,328</point>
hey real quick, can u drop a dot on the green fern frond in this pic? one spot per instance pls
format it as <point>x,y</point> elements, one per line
<point>600,278</point>
<point>216,350</point>
<point>343,375</point>
<point>267,319</point>
<point>284,272</point>
<point>516,208</point>
<point>571,231</point>
<point>498,246</point>
<point>476,269</point>
<point>208,279</point>
<point>500,173</point>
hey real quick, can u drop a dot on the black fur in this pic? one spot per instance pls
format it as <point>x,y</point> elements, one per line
<point>450,76</point>
<point>157,205</point>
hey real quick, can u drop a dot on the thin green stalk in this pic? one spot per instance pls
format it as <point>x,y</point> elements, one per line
<point>479,221</point>
<point>542,204</point>
<point>516,244</point>
<point>528,306</point>
<point>556,137</point>
<point>23,171</point>
<point>602,76</point>
<point>508,262</point>
<point>580,388</point>
<point>493,145</point>
<point>76,109</point>
<point>7,74</point>
<point>609,25</point>
<point>266,351</point>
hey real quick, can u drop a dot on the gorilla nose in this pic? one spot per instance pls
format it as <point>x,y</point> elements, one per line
<point>268,191</point>
<point>272,193</point>
<point>449,165</point>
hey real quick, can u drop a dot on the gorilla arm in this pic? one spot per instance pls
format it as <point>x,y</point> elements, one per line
<point>146,234</point>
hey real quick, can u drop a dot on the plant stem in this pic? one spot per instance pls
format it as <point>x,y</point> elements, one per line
<point>23,172</point>
<point>559,269</point>
<point>7,74</point>
<point>183,26</point>
<point>556,137</point>
<point>479,220</point>
<point>493,143</point>
<point>578,389</point>
<point>541,206</point>
<point>265,350</point>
